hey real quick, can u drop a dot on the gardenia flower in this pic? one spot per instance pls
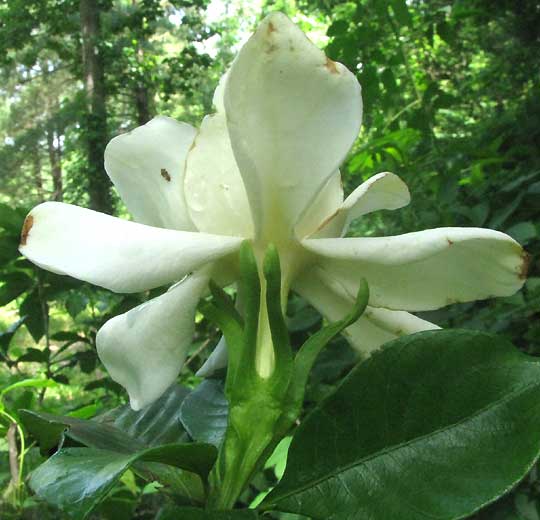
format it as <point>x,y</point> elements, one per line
<point>264,167</point>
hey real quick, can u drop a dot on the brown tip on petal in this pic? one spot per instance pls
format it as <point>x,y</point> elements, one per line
<point>165,175</point>
<point>331,66</point>
<point>526,262</point>
<point>27,226</point>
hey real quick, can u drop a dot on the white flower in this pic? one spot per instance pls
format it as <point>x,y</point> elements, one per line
<point>264,167</point>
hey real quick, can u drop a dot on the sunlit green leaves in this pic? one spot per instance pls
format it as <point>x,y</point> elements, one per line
<point>153,441</point>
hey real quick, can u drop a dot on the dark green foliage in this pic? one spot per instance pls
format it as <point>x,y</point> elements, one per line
<point>204,412</point>
<point>200,514</point>
<point>77,479</point>
<point>435,425</point>
<point>152,440</point>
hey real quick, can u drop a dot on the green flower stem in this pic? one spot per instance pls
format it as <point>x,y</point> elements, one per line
<point>262,406</point>
<point>250,439</point>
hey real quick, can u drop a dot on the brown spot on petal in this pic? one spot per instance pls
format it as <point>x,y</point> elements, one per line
<point>271,28</point>
<point>331,66</point>
<point>327,220</point>
<point>450,242</point>
<point>192,145</point>
<point>27,226</point>
<point>165,175</point>
<point>526,262</point>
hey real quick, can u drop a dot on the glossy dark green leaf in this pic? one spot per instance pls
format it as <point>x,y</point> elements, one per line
<point>87,360</point>
<point>204,412</point>
<point>305,318</point>
<point>34,355</point>
<point>7,336</point>
<point>191,513</point>
<point>435,425</point>
<point>61,378</point>
<point>76,303</point>
<point>34,311</point>
<point>77,479</point>
<point>154,425</point>
<point>107,384</point>
<point>49,429</point>
<point>14,284</point>
<point>122,429</point>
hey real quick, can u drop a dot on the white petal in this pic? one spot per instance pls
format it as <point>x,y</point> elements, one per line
<point>217,100</point>
<point>382,191</point>
<point>145,348</point>
<point>424,270</point>
<point>323,208</point>
<point>374,328</point>
<point>215,193</point>
<point>147,167</point>
<point>118,254</point>
<point>216,360</point>
<point>292,116</point>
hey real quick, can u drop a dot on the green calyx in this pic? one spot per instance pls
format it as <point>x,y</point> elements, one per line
<point>262,407</point>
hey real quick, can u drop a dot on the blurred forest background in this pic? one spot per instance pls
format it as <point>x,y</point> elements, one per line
<point>451,94</point>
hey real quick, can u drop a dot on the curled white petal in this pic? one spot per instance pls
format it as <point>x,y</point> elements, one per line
<point>382,191</point>
<point>323,208</point>
<point>292,115</point>
<point>147,167</point>
<point>117,254</point>
<point>374,328</point>
<point>145,348</point>
<point>424,270</point>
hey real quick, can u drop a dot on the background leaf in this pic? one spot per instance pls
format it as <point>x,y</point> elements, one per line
<point>77,479</point>
<point>204,412</point>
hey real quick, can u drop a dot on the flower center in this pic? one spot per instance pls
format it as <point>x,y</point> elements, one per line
<point>293,259</point>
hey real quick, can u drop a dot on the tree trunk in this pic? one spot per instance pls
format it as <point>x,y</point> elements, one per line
<point>55,160</point>
<point>13,454</point>
<point>36,170</point>
<point>143,100</point>
<point>143,104</point>
<point>96,119</point>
